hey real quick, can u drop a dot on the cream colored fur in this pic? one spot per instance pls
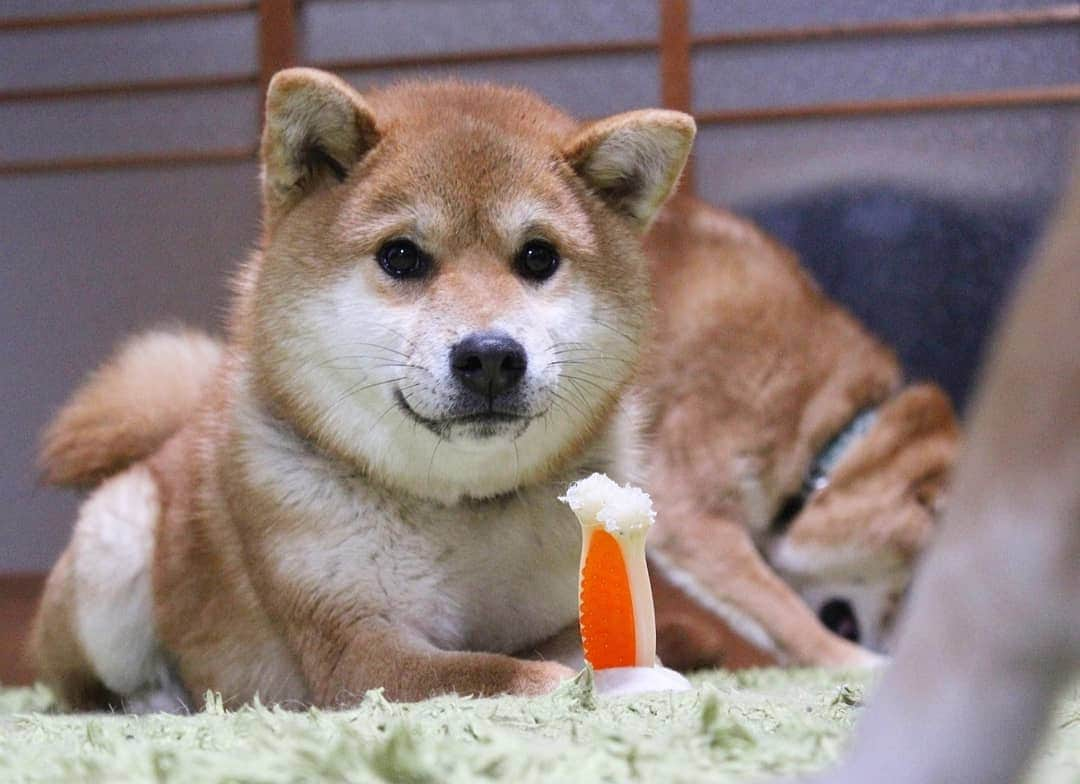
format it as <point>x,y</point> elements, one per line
<point>328,517</point>
<point>113,549</point>
<point>753,372</point>
<point>128,408</point>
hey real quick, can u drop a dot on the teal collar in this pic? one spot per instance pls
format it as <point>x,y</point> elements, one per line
<point>821,467</point>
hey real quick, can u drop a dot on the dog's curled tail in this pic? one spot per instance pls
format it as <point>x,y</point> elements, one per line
<point>129,406</point>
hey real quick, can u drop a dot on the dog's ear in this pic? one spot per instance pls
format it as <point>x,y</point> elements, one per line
<point>633,160</point>
<point>317,127</point>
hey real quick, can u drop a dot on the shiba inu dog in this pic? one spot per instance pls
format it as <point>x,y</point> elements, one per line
<point>796,478</point>
<point>993,626</point>
<point>432,341</point>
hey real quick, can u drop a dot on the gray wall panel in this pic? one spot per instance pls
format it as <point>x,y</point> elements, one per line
<point>23,8</point>
<point>726,15</point>
<point>742,76</point>
<point>583,86</point>
<point>87,259</point>
<point>1001,154</point>
<point>334,30</point>
<point>203,120</point>
<point>119,53</point>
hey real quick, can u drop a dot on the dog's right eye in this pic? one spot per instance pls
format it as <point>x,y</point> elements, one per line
<point>537,261</point>
<point>403,259</point>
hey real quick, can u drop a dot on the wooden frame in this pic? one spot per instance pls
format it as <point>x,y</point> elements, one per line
<point>18,599</point>
<point>278,43</point>
<point>675,44</point>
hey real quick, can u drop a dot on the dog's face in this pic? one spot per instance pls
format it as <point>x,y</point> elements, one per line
<point>851,550</point>
<point>452,289</point>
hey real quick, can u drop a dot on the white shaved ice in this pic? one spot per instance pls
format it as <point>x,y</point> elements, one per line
<point>620,508</point>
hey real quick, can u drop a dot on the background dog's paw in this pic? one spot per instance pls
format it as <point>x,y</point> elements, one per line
<point>862,658</point>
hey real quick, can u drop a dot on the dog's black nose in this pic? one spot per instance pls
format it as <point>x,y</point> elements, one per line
<point>488,363</point>
<point>839,618</point>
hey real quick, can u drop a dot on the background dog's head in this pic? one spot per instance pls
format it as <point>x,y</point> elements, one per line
<point>451,290</point>
<point>851,549</point>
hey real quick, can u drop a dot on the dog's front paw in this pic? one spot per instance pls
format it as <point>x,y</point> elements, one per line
<point>865,659</point>
<point>533,678</point>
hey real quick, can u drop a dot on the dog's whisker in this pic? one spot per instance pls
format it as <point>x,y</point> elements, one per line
<point>380,347</point>
<point>388,409</point>
<point>574,380</point>
<point>579,367</point>
<point>577,372</point>
<point>618,332</point>
<point>578,392</point>
<point>316,331</point>
<point>354,390</point>
<point>517,467</point>
<point>398,334</point>
<point>568,344</point>
<point>431,461</point>
<point>338,365</point>
<point>595,356</point>
<point>572,404</point>
<point>589,381</point>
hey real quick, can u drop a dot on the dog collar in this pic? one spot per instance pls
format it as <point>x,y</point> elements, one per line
<point>821,467</point>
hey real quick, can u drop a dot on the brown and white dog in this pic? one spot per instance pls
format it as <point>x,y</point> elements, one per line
<point>993,626</point>
<point>431,343</point>
<point>796,479</point>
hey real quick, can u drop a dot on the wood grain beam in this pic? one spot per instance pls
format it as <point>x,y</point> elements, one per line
<point>135,16</point>
<point>141,87</point>
<point>541,52</point>
<point>1049,16</point>
<point>676,90</point>
<point>133,161</point>
<point>277,38</point>
<point>18,600</point>
<point>1057,95</point>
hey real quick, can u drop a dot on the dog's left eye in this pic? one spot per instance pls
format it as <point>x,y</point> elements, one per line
<point>402,258</point>
<point>537,260</point>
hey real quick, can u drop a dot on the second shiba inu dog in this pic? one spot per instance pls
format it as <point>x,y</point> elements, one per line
<point>797,478</point>
<point>430,344</point>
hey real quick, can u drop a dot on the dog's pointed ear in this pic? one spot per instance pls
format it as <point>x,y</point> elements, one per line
<point>633,160</point>
<point>317,128</point>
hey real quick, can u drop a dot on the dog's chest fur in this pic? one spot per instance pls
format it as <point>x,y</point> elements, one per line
<point>496,575</point>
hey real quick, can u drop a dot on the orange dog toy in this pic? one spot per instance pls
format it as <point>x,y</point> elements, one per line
<point>615,606</point>
<point>618,628</point>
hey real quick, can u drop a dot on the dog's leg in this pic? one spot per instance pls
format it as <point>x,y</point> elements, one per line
<point>994,623</point>
<point>95,629</point>
<point>731,579</point>
<point>409,668</point>
<point>59,657</point>
<point>689,636</point>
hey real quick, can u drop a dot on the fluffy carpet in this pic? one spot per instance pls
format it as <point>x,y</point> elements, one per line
<point>734,727</point>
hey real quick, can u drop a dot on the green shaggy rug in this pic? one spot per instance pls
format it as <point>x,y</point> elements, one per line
<point>734,727</point>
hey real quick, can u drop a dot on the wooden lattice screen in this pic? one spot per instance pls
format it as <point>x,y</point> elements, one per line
<point>675,44</point>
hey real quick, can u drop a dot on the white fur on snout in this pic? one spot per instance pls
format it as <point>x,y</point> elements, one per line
<point>113,546</point>
<point>351,350</point>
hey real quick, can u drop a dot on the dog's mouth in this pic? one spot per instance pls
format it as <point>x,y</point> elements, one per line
<point>478,424</point>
